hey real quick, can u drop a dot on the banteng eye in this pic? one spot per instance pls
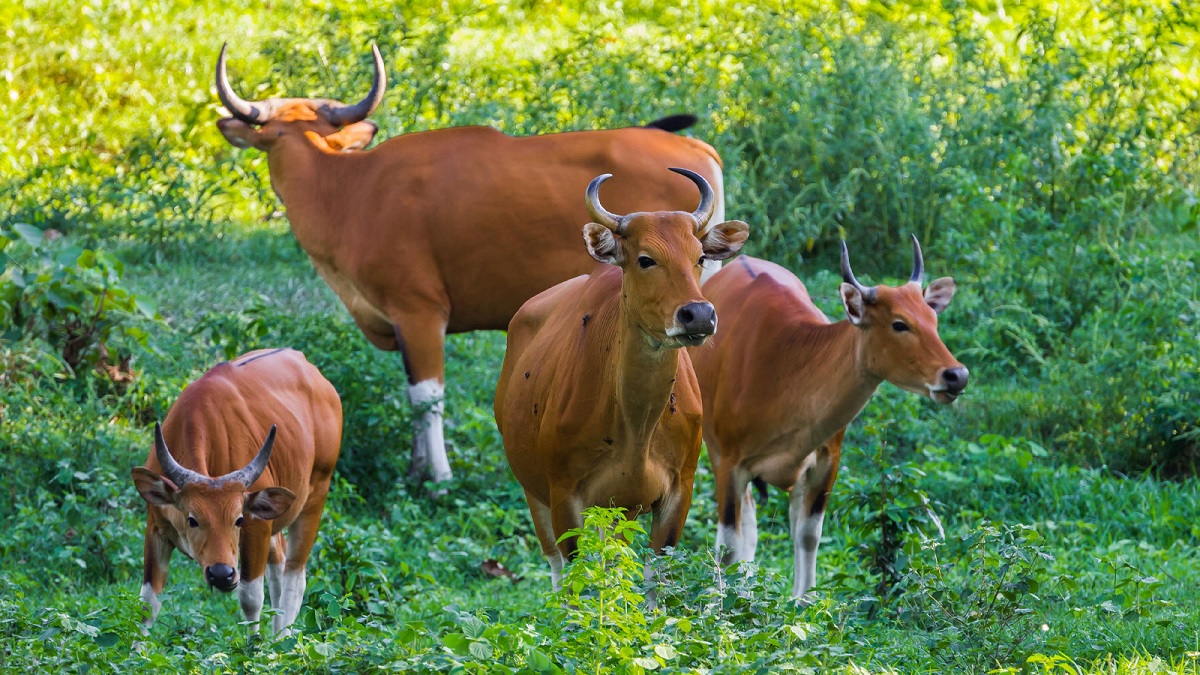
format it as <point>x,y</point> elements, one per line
<point>899,326</point>
<point>645,261</point>
<point>701,260</point>
<point>238,522</point>
<point>192,522</point>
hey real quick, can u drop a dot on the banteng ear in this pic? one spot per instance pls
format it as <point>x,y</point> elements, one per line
<point>726,239</point>
<point>856,306</point>
<point>603,244</point>
<point>939,293</point>
<point>269,504</point>
<point>155,489</point>
<point>353,137</point>
<point>239,134</point>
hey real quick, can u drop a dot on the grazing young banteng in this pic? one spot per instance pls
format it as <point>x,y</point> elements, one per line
<point>781,382</point>
<point>224,505</point>
<point>597,403</point>
<point>450,230</point>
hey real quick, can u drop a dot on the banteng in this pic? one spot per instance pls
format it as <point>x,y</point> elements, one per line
<point>781,382</point>
<point>224,505</point>
<point>597,403</point>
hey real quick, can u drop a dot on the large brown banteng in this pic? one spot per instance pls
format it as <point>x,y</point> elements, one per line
<point>447,231</point>
<point>781,382</point>
<point>597,403</point>
<point>224,505</point>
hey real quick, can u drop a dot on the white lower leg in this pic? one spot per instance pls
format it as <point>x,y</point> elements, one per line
<point>556,568</point>
<point>732,544</point>
<point>291,598</point>
<point>749,525</point>
<point>152,604</point>
<point>274,574</point>
<point>250,597</point>
<point>806,537</point>
<point>651,593</point>
<point>428,400</point>
<point>729,544</point>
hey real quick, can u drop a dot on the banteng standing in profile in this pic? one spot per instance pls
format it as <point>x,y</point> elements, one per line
<point>451,230</point>
<point>224,505</point>
<point>781,383</point>
<point>597,403</point>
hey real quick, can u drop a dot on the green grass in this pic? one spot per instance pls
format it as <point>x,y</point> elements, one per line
<point>1047,522</point>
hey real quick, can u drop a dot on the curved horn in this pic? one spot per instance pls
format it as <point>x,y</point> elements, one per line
<point>250,112</point>
<point>869,293</point>
<point>170,468</point>
<point>598,213</point>
<point>918,273</point>
<point>250,473</point>
<point>704,212</point>
<point>343,115</point>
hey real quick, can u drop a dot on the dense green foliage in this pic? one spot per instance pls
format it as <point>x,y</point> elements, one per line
<point>1045,153</point>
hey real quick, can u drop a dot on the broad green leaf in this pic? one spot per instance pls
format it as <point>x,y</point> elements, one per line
<point>538,661</point>
<point>481,650</point>
<point>29,234</point>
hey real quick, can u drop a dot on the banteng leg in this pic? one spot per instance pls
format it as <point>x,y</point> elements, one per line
<point>806,511</point>
<point>566,513</point>
<point>301,535</point>
<point>735,541</point>
<point>156,558</point>
<point>275,560</point>
<point>669,514</point>
<point>422,343</point>
<point>255,549</point>
<point>542,523</point>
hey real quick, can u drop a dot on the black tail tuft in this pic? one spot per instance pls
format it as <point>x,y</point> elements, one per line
<point>673,123</point>
<point>761,486</point>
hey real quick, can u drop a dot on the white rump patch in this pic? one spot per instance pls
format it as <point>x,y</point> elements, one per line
<point>711,267</point>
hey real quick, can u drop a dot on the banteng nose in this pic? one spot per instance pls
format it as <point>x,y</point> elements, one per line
<point>221,577</point>
<point>697,318</point>
<point>955,379</point>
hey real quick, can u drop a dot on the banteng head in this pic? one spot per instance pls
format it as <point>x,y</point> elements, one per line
<point>264,124</point>
<point>901,342</point>
<point>660,254</point>
<point>208,513</point>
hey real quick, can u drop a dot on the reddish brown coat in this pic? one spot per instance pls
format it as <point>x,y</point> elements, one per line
<point>216,427</point>
<point>780,382</point>
<point>596,403</point>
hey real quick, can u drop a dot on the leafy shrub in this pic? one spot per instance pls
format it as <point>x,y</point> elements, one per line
<point>885,507</point>
<point>71,298</point>
<point>606,629</point>
<point>980,588</point>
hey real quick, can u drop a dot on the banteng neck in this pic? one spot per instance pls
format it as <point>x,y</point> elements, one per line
<point>644,379</point>
<point>834,356</point>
